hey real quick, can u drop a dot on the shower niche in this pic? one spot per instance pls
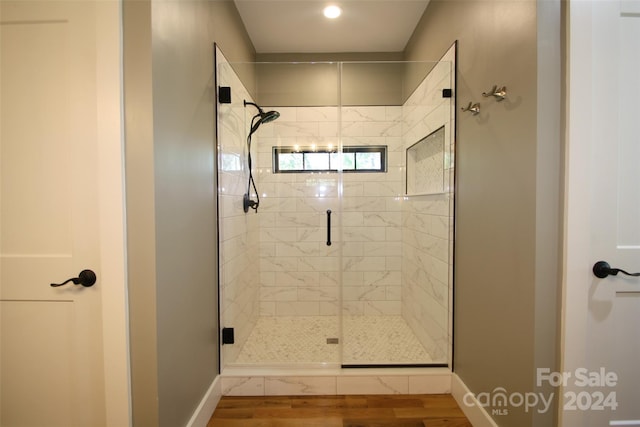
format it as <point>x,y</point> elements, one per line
<point>347,261</point>
<point>425,165</point>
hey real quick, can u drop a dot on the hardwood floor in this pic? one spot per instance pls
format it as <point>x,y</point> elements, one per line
<point>432,410</point>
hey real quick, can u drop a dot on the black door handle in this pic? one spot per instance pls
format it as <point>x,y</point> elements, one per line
<point>86,278</point>
<point>602,269</point>
<point>328,227</point>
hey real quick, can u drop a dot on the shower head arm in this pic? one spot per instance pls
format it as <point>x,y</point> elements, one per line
<point>255,124</point>
<point>260,111</point>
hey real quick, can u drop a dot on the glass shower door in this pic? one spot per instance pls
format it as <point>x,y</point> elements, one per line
<point>280,264</point>
<point>347,259</point>
<point>397,261</point>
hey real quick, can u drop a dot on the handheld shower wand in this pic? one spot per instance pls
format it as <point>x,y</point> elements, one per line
<point>256,121</point>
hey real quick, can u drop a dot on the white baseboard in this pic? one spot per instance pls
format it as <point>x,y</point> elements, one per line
<point>472,409</point>
<point>203,412</point>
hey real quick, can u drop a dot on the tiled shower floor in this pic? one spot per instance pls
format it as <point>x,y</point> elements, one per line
<point>367,340</point>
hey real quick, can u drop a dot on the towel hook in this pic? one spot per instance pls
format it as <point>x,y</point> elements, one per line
<point>499,93</point>
<point>473,108</point>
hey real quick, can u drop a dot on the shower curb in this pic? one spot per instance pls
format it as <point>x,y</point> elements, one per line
<point>330,381</point>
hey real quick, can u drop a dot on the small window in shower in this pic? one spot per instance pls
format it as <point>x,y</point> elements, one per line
<point>313,159</point>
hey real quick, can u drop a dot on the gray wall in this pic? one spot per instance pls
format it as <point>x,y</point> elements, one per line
<point>305,85</point>
<point>171,194</point>
<point>507,202</point>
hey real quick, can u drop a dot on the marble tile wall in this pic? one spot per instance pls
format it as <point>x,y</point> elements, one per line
<point>238,231</point>
<point>300,274</point>
<point>427,220</point>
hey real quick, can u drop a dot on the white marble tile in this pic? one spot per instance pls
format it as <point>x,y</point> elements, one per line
<point>281,234</point>
<point>398,384</point>
<point>318,293</point>
<point>297,278</point>
<point>393,293</point>
<point>329,278</point>
<point>311,234</point>
<point>243,386</point>
<point>299,386</point>
<point>278,264</point>
<point>298,308</point>
<point>328,263</point>
<point>378,278</point>
<point>382,129</point>
<point>383,219</point>
<point>364,293</point>
<point>267,250</point>
<point>352,189</point>
<point>364,204</point>
<point>277,204</point>
<point>380,188</point>
<point>393,234</point>
<point>352,219</point>
<point>364,264</point>
<point>364,234</point>
<point>287,114</point>
<point>318,114</point>
<point>429,384</point>
<point>267,308</point>
<point>382,308</point>
<point>353,308</point>
<point>297,249</point>
<point>381,248</point>
<point>278,293</point>
<point>330,130</point>
<point>393,263</point>
<point>315,204</point>
<point>329,308</point>
<point>352,278</point>
<point>355,249</point>
<point>296,129</point>
<point>298,219</point>
<point>364,114</point>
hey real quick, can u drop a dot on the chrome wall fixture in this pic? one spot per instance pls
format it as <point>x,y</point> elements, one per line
<point>499,93</point>
<point>473,108</point>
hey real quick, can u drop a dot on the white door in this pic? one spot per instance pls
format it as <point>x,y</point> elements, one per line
<point>601,342</point>
<point>53,352</point>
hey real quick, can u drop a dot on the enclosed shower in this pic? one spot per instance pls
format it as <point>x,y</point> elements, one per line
<point>336,219</point>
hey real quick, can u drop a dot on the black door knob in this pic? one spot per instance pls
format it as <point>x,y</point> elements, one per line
<point>602,269</point>
<point>86,278</point>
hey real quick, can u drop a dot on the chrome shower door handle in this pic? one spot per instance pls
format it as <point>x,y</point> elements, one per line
<point>328,227</point>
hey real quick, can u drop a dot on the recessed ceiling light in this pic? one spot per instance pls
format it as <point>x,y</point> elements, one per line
<point>332,11</point>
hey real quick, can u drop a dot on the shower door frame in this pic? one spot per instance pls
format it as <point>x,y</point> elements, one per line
<point>340,241</point>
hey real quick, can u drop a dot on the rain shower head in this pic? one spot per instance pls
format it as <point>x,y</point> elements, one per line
<point>269,116</point>
<point>262,117</point>
<point>256,121</point>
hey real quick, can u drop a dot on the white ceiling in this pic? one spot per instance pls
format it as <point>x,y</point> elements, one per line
<point>298,26</point>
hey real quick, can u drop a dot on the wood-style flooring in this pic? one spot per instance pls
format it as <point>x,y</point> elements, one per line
<point>432,410</point>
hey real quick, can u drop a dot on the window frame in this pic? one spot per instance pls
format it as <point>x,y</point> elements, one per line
<point>382,149</point>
